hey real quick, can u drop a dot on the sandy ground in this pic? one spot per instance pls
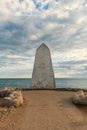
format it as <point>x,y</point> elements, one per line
<point>47,110</point>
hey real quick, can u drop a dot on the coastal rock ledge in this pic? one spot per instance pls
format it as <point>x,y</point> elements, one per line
<point>80,98</point>
<point>11,97</point>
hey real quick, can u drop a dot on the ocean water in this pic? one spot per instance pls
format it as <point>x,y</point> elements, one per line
<point>60,83</point>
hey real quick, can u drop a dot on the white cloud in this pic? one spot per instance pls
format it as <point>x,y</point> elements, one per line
<point>72,54</point>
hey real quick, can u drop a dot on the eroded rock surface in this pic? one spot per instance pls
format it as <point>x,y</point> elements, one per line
<point>11,97</point>
<point>80,98</point>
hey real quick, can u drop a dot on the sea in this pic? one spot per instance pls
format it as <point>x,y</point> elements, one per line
<point>60,82</point>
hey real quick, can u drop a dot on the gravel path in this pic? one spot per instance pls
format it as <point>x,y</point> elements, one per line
<point>47,110</point>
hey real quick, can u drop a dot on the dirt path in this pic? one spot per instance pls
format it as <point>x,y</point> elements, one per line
<point>48,110</point>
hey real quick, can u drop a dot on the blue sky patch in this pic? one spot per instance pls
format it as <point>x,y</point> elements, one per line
<point>37,4</point>
<point>21,1</point>
<point>46,6</point>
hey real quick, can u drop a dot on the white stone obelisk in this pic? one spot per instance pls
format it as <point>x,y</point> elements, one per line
<point>43,75</point>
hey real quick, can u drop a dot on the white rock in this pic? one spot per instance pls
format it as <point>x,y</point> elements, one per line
<point>80,98</point>
<point>11,97</point>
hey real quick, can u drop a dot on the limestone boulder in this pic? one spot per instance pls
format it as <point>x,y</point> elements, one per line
<point>80,98</point>
<point>11,98</point>
<point>6,91</point>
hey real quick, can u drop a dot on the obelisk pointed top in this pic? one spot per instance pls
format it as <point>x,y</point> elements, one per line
<point>43,45</point>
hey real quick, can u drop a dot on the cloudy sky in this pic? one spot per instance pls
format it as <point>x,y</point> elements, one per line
<point>25,24</point>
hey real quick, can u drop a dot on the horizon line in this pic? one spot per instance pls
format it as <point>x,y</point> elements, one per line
<point>54,78</point>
